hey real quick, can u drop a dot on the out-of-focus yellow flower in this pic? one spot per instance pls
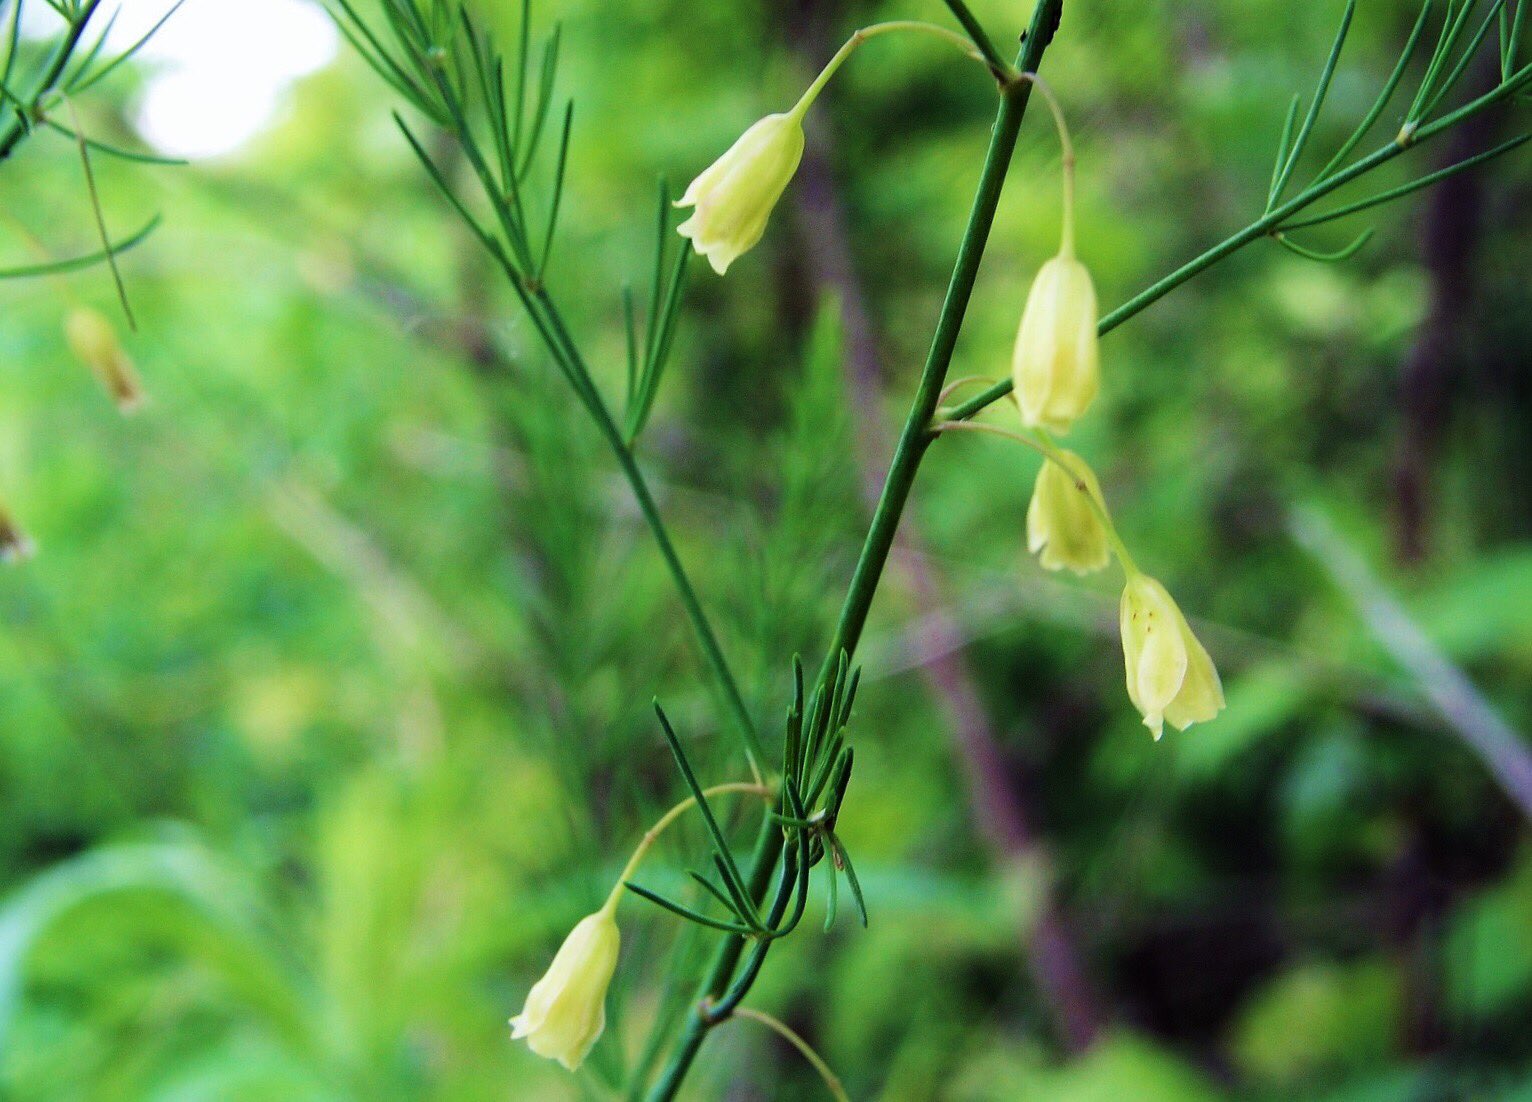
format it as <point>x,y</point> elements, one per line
<point>14,544</point>
<point>1056,362</point>
<point>566,1009</point>
<point>1170,676</point>
<point>1063,528</point>
<point>735,195</point>
<point>93,339</point>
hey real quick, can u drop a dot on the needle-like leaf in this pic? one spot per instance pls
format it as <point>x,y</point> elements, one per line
<point>74,263</point>
<point>686,912</point>
<point>1389,87</point>
<point>1325,76</point>
<point>843,861</point>
<point>1413,186</point>
<point>732,879</point>
<point>1335,257</point>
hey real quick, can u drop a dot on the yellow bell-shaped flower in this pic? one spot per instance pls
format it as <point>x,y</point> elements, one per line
<point>1056,363</point>
<point>93,339</point>
<point>1170,676</point>
<point>1064,529</point>
<point>735,195</point>
<point>566,1009</point>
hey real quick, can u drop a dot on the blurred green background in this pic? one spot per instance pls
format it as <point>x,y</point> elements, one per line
<point>324,706</point>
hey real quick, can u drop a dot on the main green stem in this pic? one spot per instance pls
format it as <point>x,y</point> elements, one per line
<point>911,448</point>
<point>916,437</point>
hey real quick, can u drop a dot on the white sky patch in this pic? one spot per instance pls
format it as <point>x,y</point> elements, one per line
<point>218,68</point>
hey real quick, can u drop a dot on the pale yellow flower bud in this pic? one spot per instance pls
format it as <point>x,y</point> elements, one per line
<point>1056,364</point>
<point>566,1009</point>
<point>735,195</point>
<point>14,544</point>
<point>1063,528</point>
<point>1170,676</point>
<point>93,339</point>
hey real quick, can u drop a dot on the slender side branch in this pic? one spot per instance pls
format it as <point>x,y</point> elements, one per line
<point>909,451</point>
<point>1268,224</point>
<point>652,835</point>
<point>997,64</point>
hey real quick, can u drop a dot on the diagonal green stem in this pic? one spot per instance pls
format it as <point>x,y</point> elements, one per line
<point>701,628</point>
<point>18,128</point>
<point>981,39</point>
<point>911,448</point>
<point>549,323</point>
<point>1261,227</point>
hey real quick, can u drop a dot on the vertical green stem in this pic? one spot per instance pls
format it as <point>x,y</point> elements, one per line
<point>913,441</point>
<point>915,438</point>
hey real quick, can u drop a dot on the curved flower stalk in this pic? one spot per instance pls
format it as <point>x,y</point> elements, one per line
<point>817,1062</point>
<point>735,195</point>
<point>565,1012</point>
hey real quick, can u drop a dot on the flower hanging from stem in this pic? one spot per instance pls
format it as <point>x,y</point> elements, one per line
<point>1064,528</point>
<point>1170,676</point>
<point>94,341</point>
<point>1055,364</point>
<point>735,195</point>
<point>565,1012</point>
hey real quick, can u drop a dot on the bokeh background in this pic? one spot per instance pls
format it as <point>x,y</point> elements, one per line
<point>324,706</point>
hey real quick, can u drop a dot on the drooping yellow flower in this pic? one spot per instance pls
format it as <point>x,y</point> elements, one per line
<point>735,195</point>
<point>93,339</point>
<point>1055,367</point>
<point>566,1009</point>
<point>1063,528</point>
<point>1170,676</point>
<point>1056,363</point>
